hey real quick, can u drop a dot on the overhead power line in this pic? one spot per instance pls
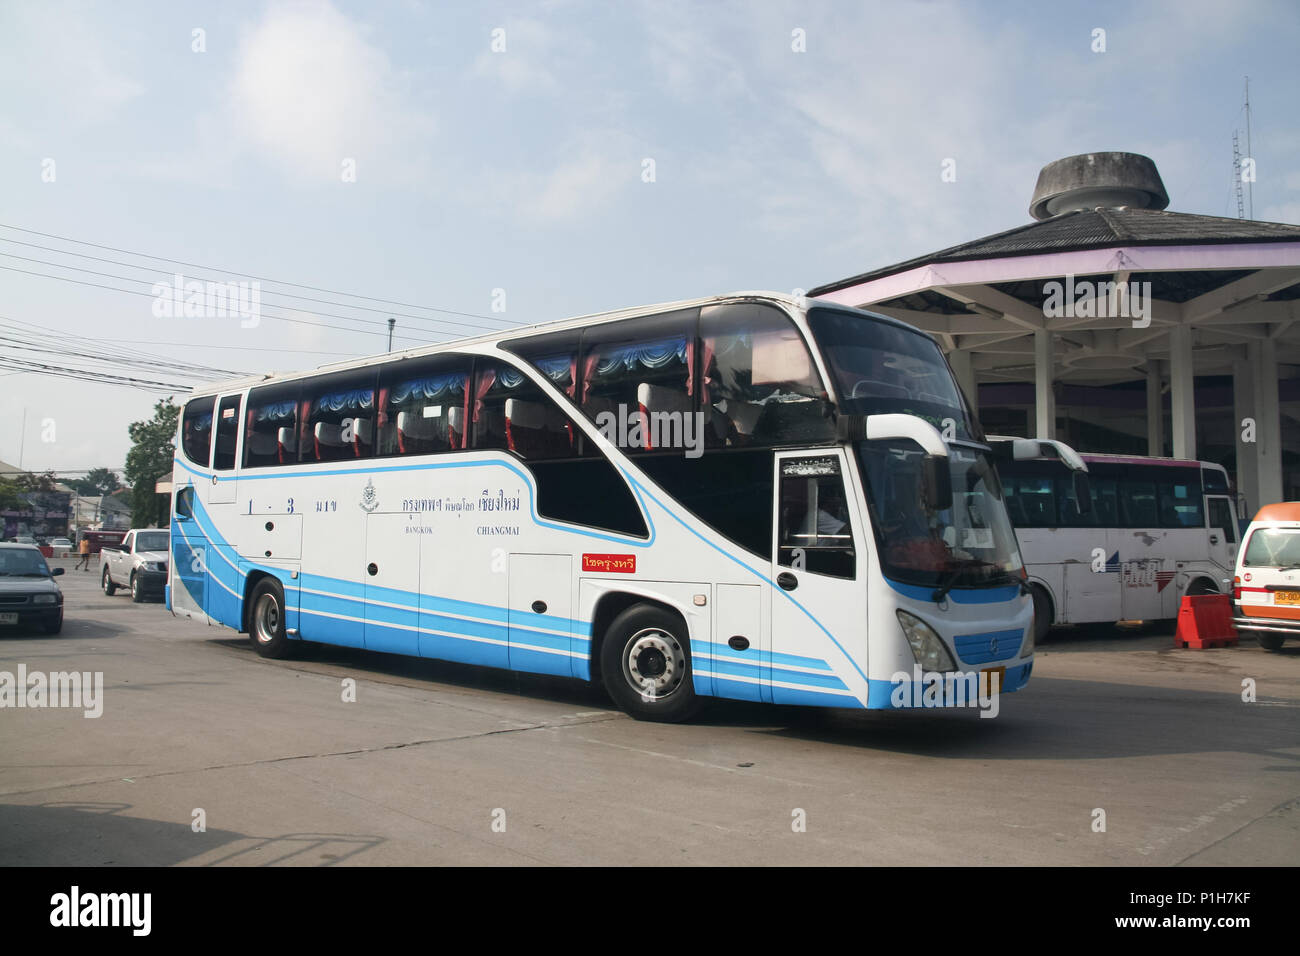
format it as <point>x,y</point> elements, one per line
<point>295,285</point>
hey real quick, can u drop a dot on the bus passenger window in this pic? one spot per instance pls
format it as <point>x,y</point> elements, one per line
<point>271,431</point>
<point>340,417</point>
<point>196,430</point>
<point>640,369</point>
<point>422,406</point>
<point>815,532</point>
<point>758,385</point>
<point>513,413</point>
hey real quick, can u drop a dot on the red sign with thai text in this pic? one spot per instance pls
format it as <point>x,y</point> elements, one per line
<point>610,563</point>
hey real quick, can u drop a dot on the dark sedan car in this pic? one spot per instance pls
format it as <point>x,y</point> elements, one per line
<point>29,596</point>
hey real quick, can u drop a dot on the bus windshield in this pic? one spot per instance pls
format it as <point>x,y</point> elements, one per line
<point>880,367</point>
<point>970,544</point>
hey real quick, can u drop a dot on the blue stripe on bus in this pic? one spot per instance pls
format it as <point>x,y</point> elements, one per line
<point>957,595</point>
<point>790,660</point>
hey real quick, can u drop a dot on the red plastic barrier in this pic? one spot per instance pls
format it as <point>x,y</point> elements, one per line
<point>1205,620</point>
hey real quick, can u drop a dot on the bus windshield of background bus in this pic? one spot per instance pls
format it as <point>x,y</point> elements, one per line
<point>880,367</point>
<point>970,544</point>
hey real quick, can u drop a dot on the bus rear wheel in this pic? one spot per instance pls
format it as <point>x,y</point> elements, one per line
<point>266,620</point>
<point>1270,642</point>
<point>645,662</point>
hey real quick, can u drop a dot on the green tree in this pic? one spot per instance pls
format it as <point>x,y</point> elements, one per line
<point>149,459</point>
<point>98,481</point>
<point>28,481</point>
<point>10,496</point>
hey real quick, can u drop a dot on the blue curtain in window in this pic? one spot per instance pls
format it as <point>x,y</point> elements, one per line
<point>652,355</point>
<point>347,399</point>
<point>428,388</point>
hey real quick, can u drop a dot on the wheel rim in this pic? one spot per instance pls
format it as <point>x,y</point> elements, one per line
<point>104,579</point>
<point>266,619</point>
<point>654,664</point>
<point>135,587</point>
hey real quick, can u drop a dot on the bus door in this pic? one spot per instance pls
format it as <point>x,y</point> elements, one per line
<point>392,583</point>
<point>225,438</point>
<point>819,567</point>
<point>1222,523</point>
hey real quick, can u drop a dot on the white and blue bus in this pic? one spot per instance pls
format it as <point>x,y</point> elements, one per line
<point>747,496</point>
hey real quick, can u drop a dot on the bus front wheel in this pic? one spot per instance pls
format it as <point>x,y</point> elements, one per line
<point>646,665</point>
<point>1270,642</point>
<point>266,620</point>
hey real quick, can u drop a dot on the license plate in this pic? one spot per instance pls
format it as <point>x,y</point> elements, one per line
<point>994,681</point>
<point>8,618</point>
<point>1286,597</point>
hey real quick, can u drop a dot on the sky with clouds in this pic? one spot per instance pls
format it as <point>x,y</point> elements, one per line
<point>523,169</point>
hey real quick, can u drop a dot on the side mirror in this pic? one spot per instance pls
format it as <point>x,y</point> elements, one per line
<point>1082,492</point>
<point>938,482</point>
<point>55,572</point>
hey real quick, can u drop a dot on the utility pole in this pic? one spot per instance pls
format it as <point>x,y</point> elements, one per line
<point>391,322</point>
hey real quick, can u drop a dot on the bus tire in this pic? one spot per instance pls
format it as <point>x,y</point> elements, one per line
<point>266,620</point>
<point>1042,612</point>
<point>645,663</point>
<point>106,582</point>
<point>1270,642</point>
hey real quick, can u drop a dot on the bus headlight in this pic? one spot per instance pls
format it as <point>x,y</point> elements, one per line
<point>926,645</point>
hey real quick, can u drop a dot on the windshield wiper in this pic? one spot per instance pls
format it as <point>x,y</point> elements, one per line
<point>945,585</point>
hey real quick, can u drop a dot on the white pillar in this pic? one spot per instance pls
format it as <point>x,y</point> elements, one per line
<point>1044,400</point>
<point>1155,410</point>
<point>1182,397</point>
<point>1268,420</point>
<point>965,372</point>
<point>1243,408</point>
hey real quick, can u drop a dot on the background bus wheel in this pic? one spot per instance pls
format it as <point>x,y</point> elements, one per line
<point>107,584</point>
<point>646,665</point>
<point>1270,642</point>
<point>266,620</point>
<point>1042,613</point>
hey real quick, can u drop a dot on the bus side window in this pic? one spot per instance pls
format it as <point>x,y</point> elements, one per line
<point>815,534</point>
<point>421,406</point>
<point>271,431</point>
<point>758,385</point>
<point>196,431</point>
<point>340,417</point>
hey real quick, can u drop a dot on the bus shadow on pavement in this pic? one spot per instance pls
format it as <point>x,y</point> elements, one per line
<point>424,672</point>
<point>1071,720</point>
<point>100,834</point>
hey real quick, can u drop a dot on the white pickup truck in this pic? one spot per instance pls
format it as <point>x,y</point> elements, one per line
<point>138,563</point>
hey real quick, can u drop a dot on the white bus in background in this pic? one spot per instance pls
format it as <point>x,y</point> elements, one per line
<point>1157,529</point>
<point>745,496</point>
